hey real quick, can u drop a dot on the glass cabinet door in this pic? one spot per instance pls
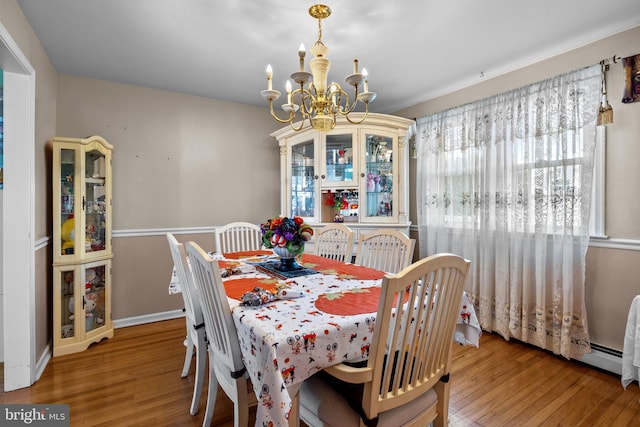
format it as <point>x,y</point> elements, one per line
<point>67,303</point>
<point>379,175</point>
<point>303,180</point>
<point>95,203</point>
<point>67,201</point>
<point>94,297</point>
<point>339,157</point>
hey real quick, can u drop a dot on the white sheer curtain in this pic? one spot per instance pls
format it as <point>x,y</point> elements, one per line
<point>506,182</point>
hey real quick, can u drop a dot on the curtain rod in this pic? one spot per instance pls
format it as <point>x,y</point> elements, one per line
<point>607,61</point>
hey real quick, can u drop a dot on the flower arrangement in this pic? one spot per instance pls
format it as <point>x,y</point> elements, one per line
<point>286,232</point>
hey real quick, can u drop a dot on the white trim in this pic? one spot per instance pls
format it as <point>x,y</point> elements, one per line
<point>41,243</point>
<point>596,223</point>
<point>613,243</point>
<point>162,231</point>
<point>18,217</point>
<point>600,359</point>
<point>147,318</point>
<point>43,361</point>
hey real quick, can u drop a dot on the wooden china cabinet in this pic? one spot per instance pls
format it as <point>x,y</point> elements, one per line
<point>81,243</point>
<point>356,174</point>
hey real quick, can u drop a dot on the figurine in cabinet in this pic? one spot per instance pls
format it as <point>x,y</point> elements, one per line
<point>371,185</point>
<point>378,188</point>
<point>90,306</point>
<point>67,235</point>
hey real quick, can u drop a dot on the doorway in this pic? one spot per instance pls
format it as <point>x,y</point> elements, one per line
<point>17,226</point>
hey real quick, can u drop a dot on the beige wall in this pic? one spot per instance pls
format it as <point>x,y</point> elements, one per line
<point>178,160</point>
<point>612,275</point>
<point>141,279</point>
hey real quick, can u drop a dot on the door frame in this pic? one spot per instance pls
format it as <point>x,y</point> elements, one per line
<point>18,216</point>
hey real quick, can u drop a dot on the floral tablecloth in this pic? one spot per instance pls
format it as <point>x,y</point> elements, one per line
<point>286,341</point>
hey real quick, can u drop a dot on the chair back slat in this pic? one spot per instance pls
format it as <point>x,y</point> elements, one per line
<point>238,237</point>
<point>413,335</point>
<point>334,241</point>
<point>385,250</point>
<point>218,322</point>
<point>192,308</point>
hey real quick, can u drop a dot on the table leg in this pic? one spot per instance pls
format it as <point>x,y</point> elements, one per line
<point>294,415</point>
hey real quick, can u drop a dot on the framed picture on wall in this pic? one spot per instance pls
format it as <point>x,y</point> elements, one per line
<point>631,66</point>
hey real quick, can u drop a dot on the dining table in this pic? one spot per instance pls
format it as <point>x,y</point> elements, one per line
<point>321,314</point>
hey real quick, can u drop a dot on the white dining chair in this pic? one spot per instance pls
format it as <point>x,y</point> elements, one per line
<point>225,360</point>
<point>193,318</point>
<point>334,241</point>
<point>238,237</point>
<point>409,384</point>
<point>386,250</point>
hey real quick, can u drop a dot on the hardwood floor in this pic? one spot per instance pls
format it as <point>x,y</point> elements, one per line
<point>134,379</point>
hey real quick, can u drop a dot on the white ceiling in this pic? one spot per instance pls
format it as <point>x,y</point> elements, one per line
<point>413,50</point>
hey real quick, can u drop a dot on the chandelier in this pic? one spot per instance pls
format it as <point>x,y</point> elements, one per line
<point>318,102</point>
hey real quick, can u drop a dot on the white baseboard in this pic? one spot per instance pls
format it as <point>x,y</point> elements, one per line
<point>43,361</point>
<point>147,318</point>
<point>602,359</point>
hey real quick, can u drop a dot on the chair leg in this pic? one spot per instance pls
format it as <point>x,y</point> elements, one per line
<point>211,394</point>
<point>442,390</point>
<point>187,357</point>
<point>201,362</point>
<point>241,405</point>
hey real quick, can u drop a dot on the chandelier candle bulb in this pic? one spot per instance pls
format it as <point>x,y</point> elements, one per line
<point>366,79</point>
<point>269,77</point>
<point>301,54</point>
<point>288,86</point>
<point>355,66</point>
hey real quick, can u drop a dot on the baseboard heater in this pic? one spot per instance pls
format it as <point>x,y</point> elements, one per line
<point>603,358</point>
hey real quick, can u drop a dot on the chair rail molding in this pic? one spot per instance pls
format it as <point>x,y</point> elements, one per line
<point>144,232</point>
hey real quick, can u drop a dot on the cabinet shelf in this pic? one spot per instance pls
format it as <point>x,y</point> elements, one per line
<point>92,180</point>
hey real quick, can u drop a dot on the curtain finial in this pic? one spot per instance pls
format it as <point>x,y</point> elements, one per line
<point>605,113</point>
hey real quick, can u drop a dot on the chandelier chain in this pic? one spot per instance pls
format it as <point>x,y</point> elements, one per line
<point>320,32</point>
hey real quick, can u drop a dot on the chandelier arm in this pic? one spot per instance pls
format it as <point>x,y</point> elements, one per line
<point>296,129</point>
<point>300,92</point>
<point>278,119</point>
<point>357,122</point>
<point>335,96</point>
<point>306,104</point>
<point>333,123</point>
<point>348,107</point>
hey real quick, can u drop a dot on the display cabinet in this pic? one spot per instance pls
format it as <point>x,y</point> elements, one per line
<point>357,174</point>
<point>81,243</point>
